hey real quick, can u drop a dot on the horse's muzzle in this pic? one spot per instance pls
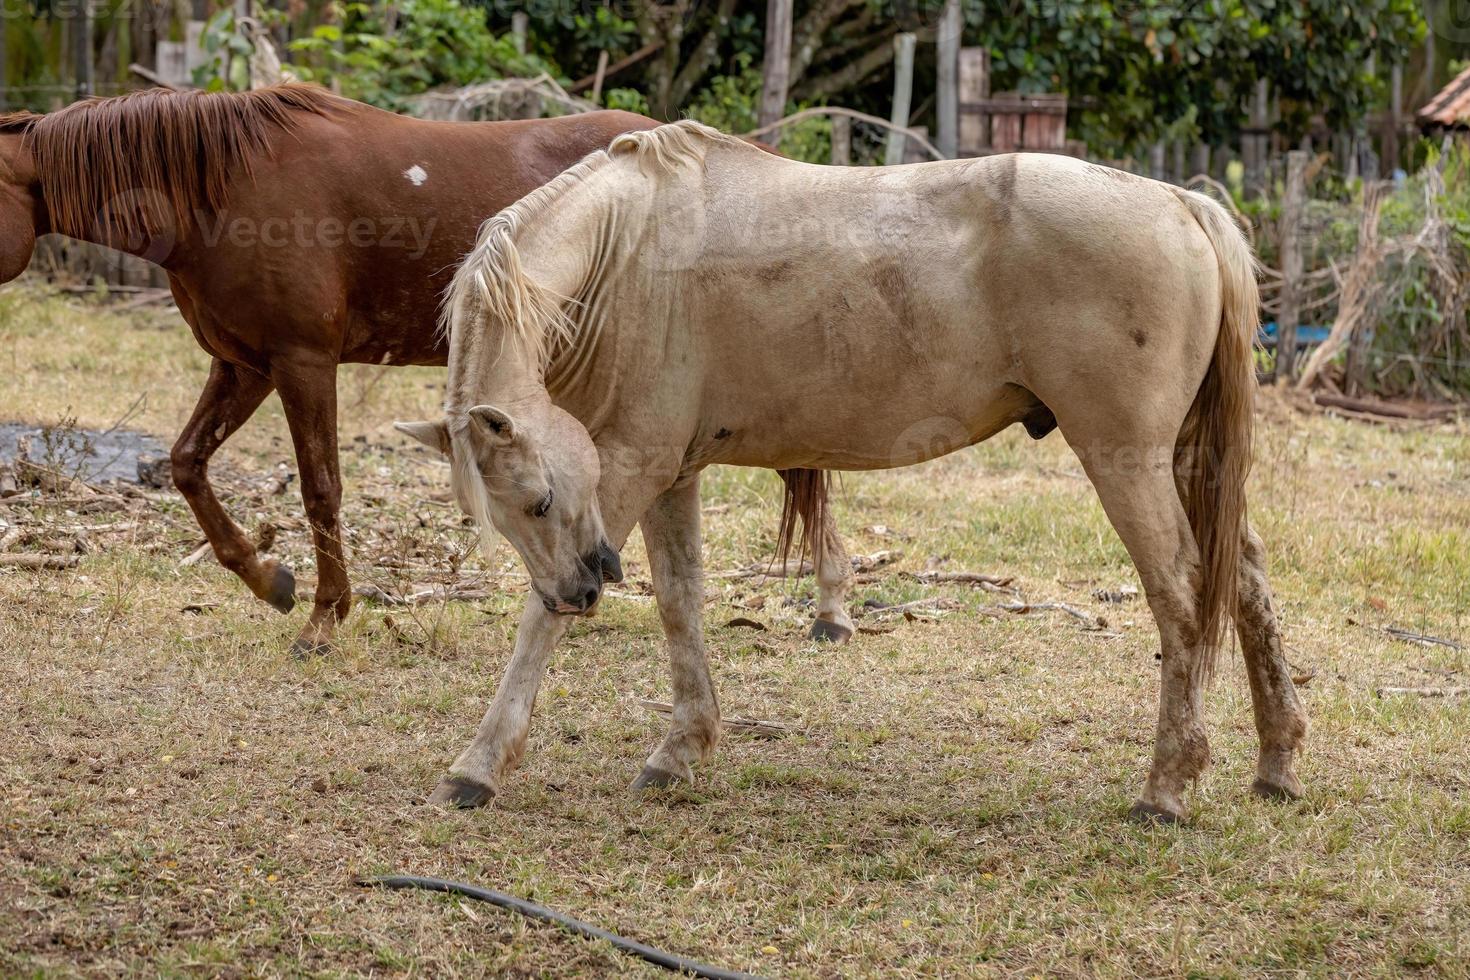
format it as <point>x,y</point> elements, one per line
<point>608,561</point>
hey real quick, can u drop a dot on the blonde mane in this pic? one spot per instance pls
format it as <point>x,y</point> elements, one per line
<point>665,149</point>
<point>491,284</point>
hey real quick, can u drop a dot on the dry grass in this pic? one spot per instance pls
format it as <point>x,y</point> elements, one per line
<point>179,796</point>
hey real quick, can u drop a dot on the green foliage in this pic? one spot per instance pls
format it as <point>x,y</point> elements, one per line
<point>627,99</point>
<point>228,64</point>
<point>571,34</point>
<point>1139,70</point>
<point>381,54</point>
<point>1420,344</point>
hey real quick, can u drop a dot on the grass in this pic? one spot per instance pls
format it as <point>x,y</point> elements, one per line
<point>181,797</point>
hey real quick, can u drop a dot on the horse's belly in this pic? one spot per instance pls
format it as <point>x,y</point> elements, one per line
<point>864,427</point>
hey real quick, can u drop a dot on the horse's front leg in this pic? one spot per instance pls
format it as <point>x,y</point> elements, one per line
<point>475,777</point>
<point>308,392</point>
<point>671,532</point>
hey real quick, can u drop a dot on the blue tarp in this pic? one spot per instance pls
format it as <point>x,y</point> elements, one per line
<point>1304,334</point>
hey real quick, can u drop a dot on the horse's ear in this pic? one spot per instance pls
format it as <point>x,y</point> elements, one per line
<point>435,435</point>
<point>498,428</point>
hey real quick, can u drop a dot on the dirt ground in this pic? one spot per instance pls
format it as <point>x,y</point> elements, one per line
<point>178,795</point>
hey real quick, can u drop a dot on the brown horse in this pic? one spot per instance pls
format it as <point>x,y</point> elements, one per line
<point>299,231</point>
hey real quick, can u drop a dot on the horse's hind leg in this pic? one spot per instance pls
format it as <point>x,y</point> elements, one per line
<point>230,397</point>
<point>1136,485</point>
<point>1280,721</point>
<point>834,582</point>
<point>671,533</point>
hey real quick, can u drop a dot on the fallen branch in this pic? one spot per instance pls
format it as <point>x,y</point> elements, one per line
<point>939,605</point>
<point>1028,608</point>
<point>1370,406</point>
<point>50,563</point>
<point>1424,692</point>
<point>743,726</point>
<point>1421,639</point>
<point>991,583</point>
<point>205,550</point>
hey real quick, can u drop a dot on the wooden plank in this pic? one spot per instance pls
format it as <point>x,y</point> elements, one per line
<point>974,128</point>
<point>777,68</point>
<point>1005,132</point>
<point>1055,105</point>
<point>1045,131</point>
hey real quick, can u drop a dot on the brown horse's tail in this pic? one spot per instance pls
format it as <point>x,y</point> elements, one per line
<point>1213,453</point>
<point>805,500</point>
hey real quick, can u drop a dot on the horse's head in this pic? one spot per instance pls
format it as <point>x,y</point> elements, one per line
<point>21,213</point>
<point>534,478</point>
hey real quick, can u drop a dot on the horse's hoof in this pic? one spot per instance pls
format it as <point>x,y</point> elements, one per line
<point>460,794</point>
<point>1152,816</point>
<point>282,595</point>
<point>304,649</point>
<point>1273,791</point>
<point>826,631</point>
<point>653,778</point>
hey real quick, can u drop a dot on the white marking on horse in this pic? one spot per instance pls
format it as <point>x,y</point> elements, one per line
<point>416,175</point>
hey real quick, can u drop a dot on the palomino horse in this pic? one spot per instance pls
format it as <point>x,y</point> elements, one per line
<point>683,299</point>
<point>299,231</point>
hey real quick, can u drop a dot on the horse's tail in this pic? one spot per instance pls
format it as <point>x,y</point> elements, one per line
<point>806,497</point>
<point>1213,453</point>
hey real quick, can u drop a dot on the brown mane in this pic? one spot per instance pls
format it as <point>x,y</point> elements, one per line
<point>95,157</point>
<point>18,122</point>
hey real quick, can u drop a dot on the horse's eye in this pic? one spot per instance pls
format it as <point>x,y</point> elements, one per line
<point>544,505</point>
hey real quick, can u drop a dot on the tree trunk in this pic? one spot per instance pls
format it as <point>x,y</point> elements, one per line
<point>903,93</point>
<point>777,68</point>
<point>849,74</point>
<point>947,85</point>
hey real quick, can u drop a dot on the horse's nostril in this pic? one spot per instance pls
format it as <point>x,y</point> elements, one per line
<point>590,599</point>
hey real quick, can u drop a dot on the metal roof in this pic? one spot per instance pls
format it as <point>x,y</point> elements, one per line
<point>1451,107</point>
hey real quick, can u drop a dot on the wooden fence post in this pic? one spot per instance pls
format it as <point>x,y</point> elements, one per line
<point>947,91</point>
<point>974,133</point>
<point>82,36</point>
<point>777,67</point>
<point>4,61</point>
<point>1201,160</point>
<point>1391,153</point>
<point>903,93</point>
<point>1256,147</point>
<point>1289,316</point>
<point>841,141</point>
<point>520,24</point>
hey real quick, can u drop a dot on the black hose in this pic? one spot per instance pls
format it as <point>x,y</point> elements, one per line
<point>543,914</point>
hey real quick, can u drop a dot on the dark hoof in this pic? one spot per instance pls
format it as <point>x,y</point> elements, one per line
<point>651,778</point>
<point>304,649</point>
<point>282,596</point>
<point>824,630</point>
<point>461,794</point>
<point>1151,816</point>
<point>1270,791</point>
